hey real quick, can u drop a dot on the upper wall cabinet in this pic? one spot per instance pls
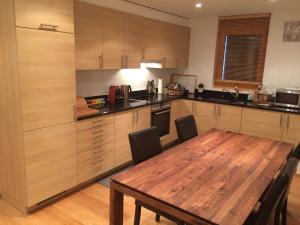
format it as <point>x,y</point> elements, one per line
<point>110,39</point>
<point>54,15</point>
<point>88,36</point>
<point>113,36</point>
<point>132,41</point>
<point>166,42</point>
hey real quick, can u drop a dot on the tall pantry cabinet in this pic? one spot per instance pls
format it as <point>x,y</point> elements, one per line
<point>38,140</point>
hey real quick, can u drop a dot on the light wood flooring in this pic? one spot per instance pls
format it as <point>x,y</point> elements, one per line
<point>90,206</point>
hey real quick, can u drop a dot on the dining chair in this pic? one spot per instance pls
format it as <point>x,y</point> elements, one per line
<point>296,152</point>
<point>186,128</point>
<point>281,211</point>
<point>269,202</point>
<point>144,145</point>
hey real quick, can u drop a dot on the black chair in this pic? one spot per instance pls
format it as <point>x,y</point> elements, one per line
<point>269,202</point>
<point>281,211</point>
<point>144,145</point>
<point>296,152</point>
<point>186,128</point>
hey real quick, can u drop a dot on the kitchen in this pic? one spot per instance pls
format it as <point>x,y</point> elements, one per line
<point>53,51</point>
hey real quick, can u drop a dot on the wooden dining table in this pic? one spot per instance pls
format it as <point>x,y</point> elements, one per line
<point>215,178</point>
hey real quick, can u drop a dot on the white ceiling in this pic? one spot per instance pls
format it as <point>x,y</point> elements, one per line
<point>186,8</point>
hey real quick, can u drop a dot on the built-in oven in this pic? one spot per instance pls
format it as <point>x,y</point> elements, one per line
<point>160,117</point>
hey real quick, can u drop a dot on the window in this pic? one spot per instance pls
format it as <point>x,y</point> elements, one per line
<point>241,50</point>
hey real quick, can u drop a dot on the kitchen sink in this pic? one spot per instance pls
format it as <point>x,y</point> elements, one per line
<point>230,101</point>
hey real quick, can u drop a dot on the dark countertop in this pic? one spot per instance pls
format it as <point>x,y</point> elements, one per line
<point>107,108</point>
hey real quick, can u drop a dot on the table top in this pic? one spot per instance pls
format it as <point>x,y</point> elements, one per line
<point>218,176</point>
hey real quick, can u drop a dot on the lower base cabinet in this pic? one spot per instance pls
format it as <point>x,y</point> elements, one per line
<point>262,123</point>
<point>229,118</point>
<point>96,147</point>
<point>124,124</point>
<point>51,161</point>
<point>291,131</point>
<point>205,116</point>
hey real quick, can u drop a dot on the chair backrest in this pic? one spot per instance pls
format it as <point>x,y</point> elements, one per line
<point>144,144</point>
<point>296,152</point>
<point>186,128</point>
<point>271,199</point>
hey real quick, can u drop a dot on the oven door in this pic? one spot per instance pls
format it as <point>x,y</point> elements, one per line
<point>161,120</point>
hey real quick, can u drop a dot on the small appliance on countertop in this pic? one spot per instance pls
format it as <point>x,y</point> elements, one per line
<point>126,91</point>
<point>287,97</point>
<point>114,95</point>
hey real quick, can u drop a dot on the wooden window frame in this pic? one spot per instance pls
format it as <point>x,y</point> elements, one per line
<point>219,55</point>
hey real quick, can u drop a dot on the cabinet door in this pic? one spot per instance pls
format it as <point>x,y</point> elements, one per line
<point>51,161</point>
<point>143,118</point>
<point>132,41</point>
<point>291,131</point>
<point>47,77</point>
<point>36,13</point>
<point>170,45</point>
<point>183,46</point>
<point>124,124</point>
<point>154,40</point>
<point>262,123</point>
<point>205,116</point>
<point>88,36</point>
<point>229,118</point>
<point>113,32</point>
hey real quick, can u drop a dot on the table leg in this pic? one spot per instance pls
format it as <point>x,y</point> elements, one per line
<point>116,206</point>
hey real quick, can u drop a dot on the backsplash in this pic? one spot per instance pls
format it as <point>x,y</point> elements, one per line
<point>93,83</point>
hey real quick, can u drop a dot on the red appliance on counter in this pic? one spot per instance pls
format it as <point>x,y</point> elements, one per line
<point>114,93</point>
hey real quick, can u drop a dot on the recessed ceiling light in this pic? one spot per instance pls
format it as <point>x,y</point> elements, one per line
<point>198,5</point>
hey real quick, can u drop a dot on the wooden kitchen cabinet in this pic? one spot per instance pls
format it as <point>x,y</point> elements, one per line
<point>96,147</point>
<point>205,116</point>
<point>291,130</point>
<point>113,38</point>
<point>51,161</point>
<point>142,118</point>
<point>229,118</point>
<point>88,36</point>
<point>132,50</point>
<point>154,40</point>
<point>124,124</point>
<point>262,123</point>
<point>46,14</point>
<point>182,44</point>
<point>47,77</point>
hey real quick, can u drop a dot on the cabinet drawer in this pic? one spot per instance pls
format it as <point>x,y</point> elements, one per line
<point>95,141</point>
<point>96,152</point>
<point>95,122</point>
<point>94,167</point>
<point>96,131</point>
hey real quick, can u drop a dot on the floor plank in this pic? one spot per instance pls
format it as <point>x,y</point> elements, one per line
<point>90,207</point>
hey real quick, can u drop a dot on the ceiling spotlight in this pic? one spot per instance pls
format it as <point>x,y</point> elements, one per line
<point>198,5</point>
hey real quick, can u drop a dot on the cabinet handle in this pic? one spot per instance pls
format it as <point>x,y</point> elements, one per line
<point>214,110</point>
<point>288,123</point>
<point>101,61</point>
<point>126,61</point>
<point>133,116</point>
<point>164,62</point>
<point>137,116</point>
<point>281,121</point>
<point>97,121</point>
<point>219,110</point>
<point>48,27</point>
<point>143,54</point>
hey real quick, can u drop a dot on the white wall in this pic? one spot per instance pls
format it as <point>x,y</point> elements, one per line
<point>282,67</point>
<point>93,83</point>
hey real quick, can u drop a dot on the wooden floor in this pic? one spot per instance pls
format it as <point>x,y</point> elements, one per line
<point>91,207</point>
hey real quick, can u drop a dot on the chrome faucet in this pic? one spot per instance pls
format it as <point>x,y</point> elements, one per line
<point>236,95</point>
